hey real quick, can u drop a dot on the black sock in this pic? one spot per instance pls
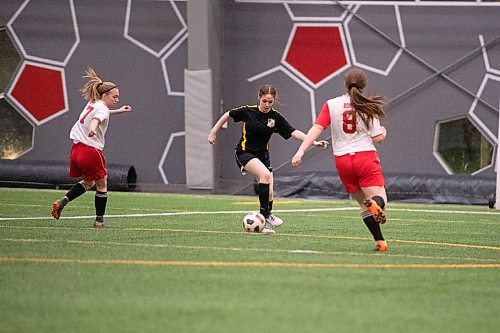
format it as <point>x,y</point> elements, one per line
<point>264,199</point>
<point>372,225</point>
<point>271,206</point>
<point>75,191</point>
<point>101,199</point>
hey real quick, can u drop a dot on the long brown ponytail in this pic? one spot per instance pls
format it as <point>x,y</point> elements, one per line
<point>367,107</point>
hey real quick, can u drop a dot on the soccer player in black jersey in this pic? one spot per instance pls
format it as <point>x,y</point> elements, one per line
<point>252,151</point>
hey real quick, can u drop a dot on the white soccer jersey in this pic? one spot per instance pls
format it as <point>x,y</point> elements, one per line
<point>349,132</point>
<point>79,131</point>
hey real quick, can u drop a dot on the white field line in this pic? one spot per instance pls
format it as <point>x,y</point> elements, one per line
<point>246,211</point>
<point>173,214</point>
<point>484,247</point>
<point>238,249</point>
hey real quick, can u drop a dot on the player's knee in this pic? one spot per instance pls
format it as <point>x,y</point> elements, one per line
<point>87,185</point>
<point>265,177</point>
<point>379,200</point>
<point>101,185</point>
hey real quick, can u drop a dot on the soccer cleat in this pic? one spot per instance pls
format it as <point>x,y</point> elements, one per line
<point>381,246</point>
<point>268,231</point>
<point>100,225</point>
<point>274,221</point>
<point>57,208</point>
<point>375,210</point>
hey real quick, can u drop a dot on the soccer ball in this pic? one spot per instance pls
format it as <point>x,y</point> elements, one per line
<point>254,222</point>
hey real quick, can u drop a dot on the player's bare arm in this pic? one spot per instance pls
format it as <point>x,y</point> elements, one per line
<point>123,109</point>
<point>93,127</point>
<point>313,133</point>
<point>299,135</point>
<point>212,136</point>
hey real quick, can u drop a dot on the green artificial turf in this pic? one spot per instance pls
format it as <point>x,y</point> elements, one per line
<point>179,263</point>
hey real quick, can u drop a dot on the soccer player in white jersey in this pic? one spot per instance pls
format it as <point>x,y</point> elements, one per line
<point>355,127</point>
<point>87,158</point>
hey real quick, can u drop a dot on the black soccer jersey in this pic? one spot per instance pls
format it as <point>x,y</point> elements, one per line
<point>258,127</point>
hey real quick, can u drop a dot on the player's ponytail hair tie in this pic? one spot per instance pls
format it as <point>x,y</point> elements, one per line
<point>353,85</point>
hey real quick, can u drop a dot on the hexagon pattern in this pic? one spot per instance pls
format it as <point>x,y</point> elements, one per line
<point>329,53</point>
<point>61,30</point>
<point>313,69</point>
<point>164,27</point>
<point>39,91</point>
<point>9,60</point>
<point>371,51</point>
<point>167,14</point>
<point>482,114</point>
<point>461,148</point>
<point>16,133</point>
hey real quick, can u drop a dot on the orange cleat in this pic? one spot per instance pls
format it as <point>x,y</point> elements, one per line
<point>375,210</point>
<point>381,246</point>
<point>56,210</point>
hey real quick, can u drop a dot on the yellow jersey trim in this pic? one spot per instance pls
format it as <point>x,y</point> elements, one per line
<point>243,143</point>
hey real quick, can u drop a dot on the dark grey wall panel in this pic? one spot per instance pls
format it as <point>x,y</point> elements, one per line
<point>141,137</point>
<point>400,48</point>
<point>435,38</point>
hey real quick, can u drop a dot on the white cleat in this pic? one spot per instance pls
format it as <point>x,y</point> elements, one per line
<point>274,221</point>
<point>268,231</point>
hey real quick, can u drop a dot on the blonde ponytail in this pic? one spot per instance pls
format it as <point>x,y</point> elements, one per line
<point>94,88</point>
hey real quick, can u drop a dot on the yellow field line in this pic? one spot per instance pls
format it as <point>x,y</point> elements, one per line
<point>217,248</point>
<point>485,247</point>
<point>232,263</point>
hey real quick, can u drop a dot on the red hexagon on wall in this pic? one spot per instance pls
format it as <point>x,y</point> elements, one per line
<point>316,52</point>
<point>38,90</point>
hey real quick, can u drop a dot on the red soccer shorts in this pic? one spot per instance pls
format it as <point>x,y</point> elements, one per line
<point>87,162</point>
<point>361,169</point>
